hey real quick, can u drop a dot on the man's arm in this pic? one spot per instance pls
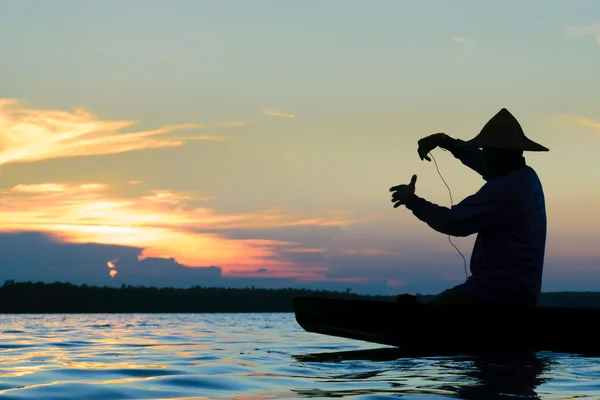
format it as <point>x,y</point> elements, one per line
<point>486,208</point>
<point>472,157</point>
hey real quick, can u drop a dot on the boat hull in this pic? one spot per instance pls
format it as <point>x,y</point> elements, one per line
<point>451,329</point>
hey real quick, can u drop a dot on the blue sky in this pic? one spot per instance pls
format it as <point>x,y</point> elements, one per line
<point>298,117</point>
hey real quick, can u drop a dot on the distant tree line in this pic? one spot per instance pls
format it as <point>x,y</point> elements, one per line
<point>62,297</point>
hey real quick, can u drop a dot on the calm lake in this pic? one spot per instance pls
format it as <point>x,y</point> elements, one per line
<point>253,356</point>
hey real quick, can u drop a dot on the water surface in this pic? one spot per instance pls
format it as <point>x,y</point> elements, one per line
<point>254,356</point>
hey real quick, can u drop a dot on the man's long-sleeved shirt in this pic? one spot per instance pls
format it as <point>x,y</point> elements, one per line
<point>509,216</point>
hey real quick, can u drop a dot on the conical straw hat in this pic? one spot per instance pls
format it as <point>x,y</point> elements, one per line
<point>503,131</point>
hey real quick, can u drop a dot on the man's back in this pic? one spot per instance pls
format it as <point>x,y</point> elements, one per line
<point>508,257</point>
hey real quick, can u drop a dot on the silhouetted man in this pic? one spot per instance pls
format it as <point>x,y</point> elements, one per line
<point>508,214</point>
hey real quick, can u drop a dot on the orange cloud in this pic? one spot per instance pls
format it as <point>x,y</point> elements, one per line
<point>314,277</point>
<point>28,134</point>
<point>202,137</point>
<point>161,222</point>
<point>113,269</point>
<point>395,283</point>
<point>306,250</point>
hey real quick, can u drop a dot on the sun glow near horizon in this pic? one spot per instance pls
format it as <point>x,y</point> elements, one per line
<point>163,225</point>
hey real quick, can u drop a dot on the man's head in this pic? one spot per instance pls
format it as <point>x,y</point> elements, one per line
<point>500,161</point>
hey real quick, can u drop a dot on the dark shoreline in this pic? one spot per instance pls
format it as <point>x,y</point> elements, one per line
<point>67,298</point>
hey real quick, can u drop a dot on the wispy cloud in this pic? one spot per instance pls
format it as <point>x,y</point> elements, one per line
<point>227,124</point>
<point>464,41</point>
<point>276,112</point>
<point>29,134</point>
<point>577,31</point>
<point>161,222</point>
<point>202,137</point>
<point>573,120</point>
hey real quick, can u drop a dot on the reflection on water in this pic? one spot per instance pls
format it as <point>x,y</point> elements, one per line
<point>255,356</point>
<point>466,377</point>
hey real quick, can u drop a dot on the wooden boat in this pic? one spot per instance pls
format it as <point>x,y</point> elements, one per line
<point>450,329</point>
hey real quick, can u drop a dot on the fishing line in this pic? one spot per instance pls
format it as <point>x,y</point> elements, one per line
<point>451,204</point>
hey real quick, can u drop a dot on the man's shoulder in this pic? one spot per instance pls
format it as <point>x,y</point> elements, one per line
<point>514,185</point>
<point>519,178</point>
<point>526,179</point>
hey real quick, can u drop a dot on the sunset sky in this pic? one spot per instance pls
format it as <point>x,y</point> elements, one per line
<point>235,143</point>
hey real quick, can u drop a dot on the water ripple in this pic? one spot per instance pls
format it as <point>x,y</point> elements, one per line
<point>254,356</point>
